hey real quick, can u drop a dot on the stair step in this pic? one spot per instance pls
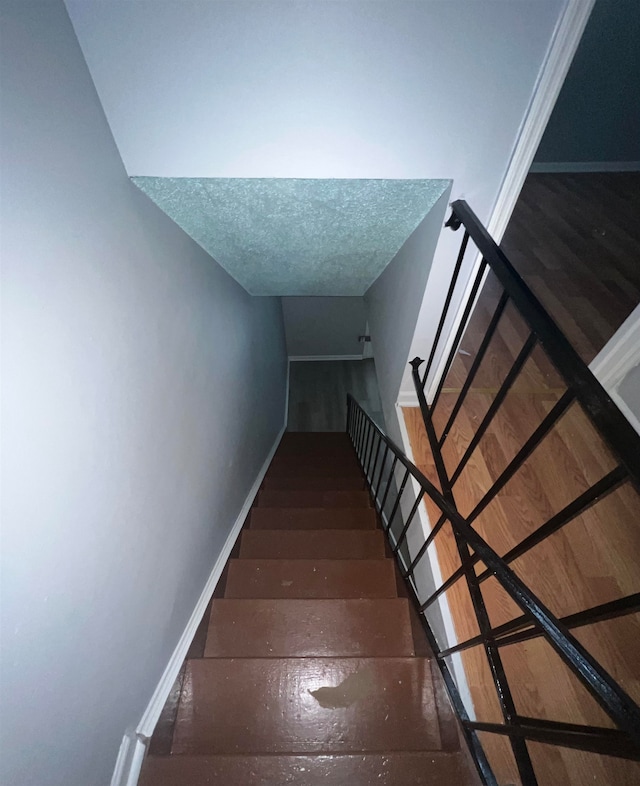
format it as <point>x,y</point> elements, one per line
<point>308,628</point>
<point>318,442</point>
<point>304,467</point>
<point>315,437</point>
<point>263,705</point>
<point>276,498</point>
<point>308,578</point>
<point>312,544</point>
<point>312,518</point>
<point>386,769</point>
<point>315,483</point>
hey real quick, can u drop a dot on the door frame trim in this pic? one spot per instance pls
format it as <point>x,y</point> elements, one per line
<point>560,52</point>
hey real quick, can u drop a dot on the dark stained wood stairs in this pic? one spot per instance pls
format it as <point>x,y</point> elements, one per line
<point>313,670</point>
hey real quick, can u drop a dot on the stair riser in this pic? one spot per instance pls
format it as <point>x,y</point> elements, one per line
<point>309,628</point>
<point>395,769</point>
<point>314,483</point>
<point>317,469</point>
<point>250,578</point>
<point>312,544</point>
<point>313,499</point>
<point>312,518</point>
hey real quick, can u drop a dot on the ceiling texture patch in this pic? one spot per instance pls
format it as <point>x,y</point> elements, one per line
<point>279,236</point>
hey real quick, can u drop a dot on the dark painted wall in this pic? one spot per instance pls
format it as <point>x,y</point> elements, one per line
<point>597,116</point>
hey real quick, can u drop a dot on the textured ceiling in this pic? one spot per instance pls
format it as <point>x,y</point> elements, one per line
<point>297,237</point>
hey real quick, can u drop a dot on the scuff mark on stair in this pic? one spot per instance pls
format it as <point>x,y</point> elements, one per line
<point>351,689</point>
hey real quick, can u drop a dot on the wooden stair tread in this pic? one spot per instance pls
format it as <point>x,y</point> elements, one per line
<point>312,518</point>
<point>306,578</point>
<point>312,544</point>
<point>279,498</point>
<point>383,769</point>
<point>308,628</point>
<point>293,465</point>
<point>314,482</point>
<point>246,705</point>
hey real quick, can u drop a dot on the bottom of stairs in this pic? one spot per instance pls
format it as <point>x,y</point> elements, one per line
<point>311,669</point>
<point>370,769</point>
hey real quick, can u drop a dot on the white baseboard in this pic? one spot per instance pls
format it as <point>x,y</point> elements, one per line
<point>324,357</point>
<point>133,747</point>
<point>584,166</point>
<point>620,354</point>
<point>408,398</point>
<point>129,761</point>
<point>457,665</point>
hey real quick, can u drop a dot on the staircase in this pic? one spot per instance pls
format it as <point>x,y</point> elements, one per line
<point>314,669</point>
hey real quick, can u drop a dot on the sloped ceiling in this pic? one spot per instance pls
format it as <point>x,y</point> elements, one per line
<point>281,236</point>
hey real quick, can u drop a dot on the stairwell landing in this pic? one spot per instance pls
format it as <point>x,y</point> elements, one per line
<point>314,669</point>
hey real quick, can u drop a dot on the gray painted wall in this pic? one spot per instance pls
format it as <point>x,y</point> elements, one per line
<point>629,391</point>
<point>132,431</point>
<point>597,115</point>
<point>393,303</point>
<point>324,325</point>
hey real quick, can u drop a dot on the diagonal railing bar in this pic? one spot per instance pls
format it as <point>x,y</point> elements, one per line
<point>523,454</point>
<point>407,524</point>
<point>385,455</point>
<point>596,402</point>
<point>536,619</point>
<point>447,303</point>
<point>475,748</point>
<point>609,742</point>
<point>423,549</point>
<point>389,482</point>
<point>477,361</point>
<point>505,387</point>
<point>594,494</point>
<point>511,632</point>
<point>375,461</point>
<point>396,504</point>
<point>613,699</point>
<point>459,333</point>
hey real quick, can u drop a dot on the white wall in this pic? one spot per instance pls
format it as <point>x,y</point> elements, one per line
<point>323,326</point>
<point>393,302</point>
<point>131,429</point>
<point>392,89</point>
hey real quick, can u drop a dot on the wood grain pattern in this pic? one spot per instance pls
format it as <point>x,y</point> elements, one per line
<point>318,393</point>
<point>593,558</point>
<point>575,239</point>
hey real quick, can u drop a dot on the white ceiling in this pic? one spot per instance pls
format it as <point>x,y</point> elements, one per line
<point>313,88</point>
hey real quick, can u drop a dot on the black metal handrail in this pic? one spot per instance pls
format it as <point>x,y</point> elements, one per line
<point>387,469</point>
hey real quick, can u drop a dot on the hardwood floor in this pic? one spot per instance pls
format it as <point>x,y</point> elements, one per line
<point>593,559</point>
<point>575,239</point>
<point>318,393</point>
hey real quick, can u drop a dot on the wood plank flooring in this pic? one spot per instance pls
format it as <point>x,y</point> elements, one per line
<point>575,239</point>
<point>318,393</point>
<point>591,560</point>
